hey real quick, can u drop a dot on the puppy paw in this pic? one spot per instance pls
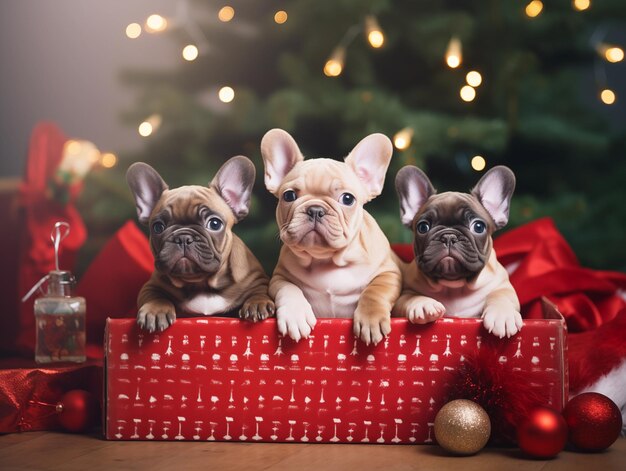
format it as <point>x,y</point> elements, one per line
<point>257,308</point>
<point>295,320</point>
<point>370,327</point>
<point>502,322</point>
<point>422,310</point>
<point>156,315</point>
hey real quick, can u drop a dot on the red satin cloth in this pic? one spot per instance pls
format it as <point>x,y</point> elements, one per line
<point>111,283</point>
<point>40,213</point>
<point>548,267</point>
<point>544,265</point>
<point>28,394</point>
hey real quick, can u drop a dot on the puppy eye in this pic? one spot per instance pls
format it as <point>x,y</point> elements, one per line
<point>215,224</point>
<point>158,227</point>
<point>423,227</point>
<point>289,196</point>
<point>347,199</point>
<point>478,227</point>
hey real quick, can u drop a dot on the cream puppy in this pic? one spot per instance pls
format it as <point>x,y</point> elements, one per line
<point>335,261</point>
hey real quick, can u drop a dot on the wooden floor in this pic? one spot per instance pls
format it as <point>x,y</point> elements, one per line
<point>57,451</point>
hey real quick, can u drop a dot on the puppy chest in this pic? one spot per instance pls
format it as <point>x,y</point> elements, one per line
<point>205,304</point>
<point>335,293</point>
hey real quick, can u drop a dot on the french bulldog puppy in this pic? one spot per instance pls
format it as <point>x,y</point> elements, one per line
<point>456,271</point>
<point>201,267</point>
<point>335,261</point>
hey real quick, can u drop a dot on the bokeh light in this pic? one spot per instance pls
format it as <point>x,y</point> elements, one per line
<point>108,160</point>
<point>145,129</point>
<point>190,52</point>
<point>402,139</point>
<point>454,55</point>
<point>581,5</point>
<point>226,94</point>
<point>226,13</point>
<point>608,96</point>
<point>478,163</point>
<point>467,93</point>
<point>156,23</point>
<point>534,8</point>
<point>614,54</point>
<point>474,78</point>
<point>281,17</point>
<point>133,30</point>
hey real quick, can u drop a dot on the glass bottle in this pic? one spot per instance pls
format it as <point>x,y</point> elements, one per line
<point>60,321</point>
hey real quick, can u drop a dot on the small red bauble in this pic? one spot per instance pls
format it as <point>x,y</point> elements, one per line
<point>77,410</point>
<point>594,421</point>
<point>543,433</point>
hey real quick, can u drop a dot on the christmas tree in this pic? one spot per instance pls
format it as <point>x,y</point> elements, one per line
<point>459,85</point>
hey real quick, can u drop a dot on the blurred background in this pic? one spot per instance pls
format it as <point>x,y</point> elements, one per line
<point>459,86</point>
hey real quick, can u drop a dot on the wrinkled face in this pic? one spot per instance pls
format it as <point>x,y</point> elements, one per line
<point>320,207</point>
<point>190,232</point>
<point>452,236</point>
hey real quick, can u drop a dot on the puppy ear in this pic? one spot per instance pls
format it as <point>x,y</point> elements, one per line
<point>494,190</point>
<point>414,188</point>
<point>147,186</point>
<point>234,181</point>
<point>369,160</point>
<point>280,154</point>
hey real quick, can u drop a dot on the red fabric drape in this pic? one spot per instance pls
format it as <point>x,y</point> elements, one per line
<point>40,212</point>
<point>547,266</point>
<point>113,280</point>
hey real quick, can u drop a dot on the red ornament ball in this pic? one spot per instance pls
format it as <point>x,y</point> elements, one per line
<point>543,433</point>
<point>594,421</point>
<point>78,410</point>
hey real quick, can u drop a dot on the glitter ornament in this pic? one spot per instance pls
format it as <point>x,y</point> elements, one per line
<point>594,421</point>
<point>543,433</point>
<point>462,427</point>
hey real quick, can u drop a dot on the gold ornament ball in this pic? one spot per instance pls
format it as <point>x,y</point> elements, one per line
<point>462,427</point>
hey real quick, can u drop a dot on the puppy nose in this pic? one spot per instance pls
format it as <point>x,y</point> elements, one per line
<point>315,212</point>
<point>185,239</point>
<point>449,239</point>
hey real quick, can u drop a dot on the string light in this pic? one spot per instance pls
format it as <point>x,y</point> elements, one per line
<point>226,14</point>
<point>454,56</point>
<point>190,52</point>
<point>402,139</point>
<point>73,147</point>
<point>145,129</point>
<point>133,30</point>
<point>478,163</point>
<point>78,158</point>
<point>150,125</point>
<point>280,17</point>
<point>607,96</point>
<point>156,23</point>
<point>334,64</point>
<point>474,78</point>
<point>581,5</point>
<point>374,33</point>
<point>226,94</point>
<point>612,54</point>
<point>534,8</point>
<point>108,160</point>
<point>467,93</point>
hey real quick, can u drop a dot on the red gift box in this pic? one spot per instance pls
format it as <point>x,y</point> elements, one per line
<point>227,380</point>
